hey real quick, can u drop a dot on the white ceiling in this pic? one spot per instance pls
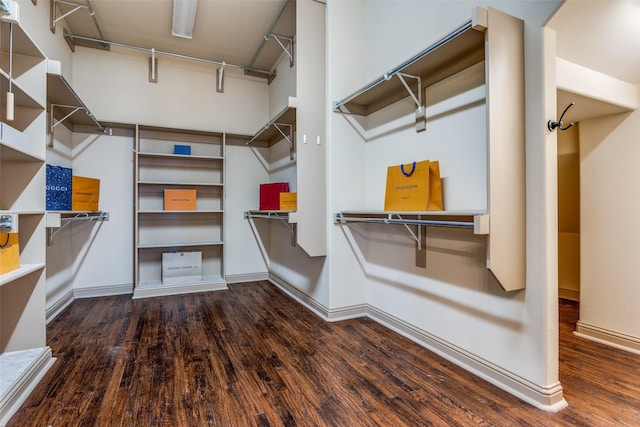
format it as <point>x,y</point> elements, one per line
<point>232,31</point>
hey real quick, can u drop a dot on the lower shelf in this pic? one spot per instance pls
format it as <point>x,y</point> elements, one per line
<point>156,288</point>
<point>21,371</point>
<point>20,272</point>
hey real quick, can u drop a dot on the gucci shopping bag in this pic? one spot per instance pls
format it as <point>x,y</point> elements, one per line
<point>414,187</point>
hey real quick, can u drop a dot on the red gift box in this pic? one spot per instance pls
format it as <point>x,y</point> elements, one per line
<point>270,195</point>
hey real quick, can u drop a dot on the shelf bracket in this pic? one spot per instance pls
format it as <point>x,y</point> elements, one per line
<point>420,236</point>
<point>275,215</point>
<point>75,7</point>
<point>287,49</point>
<point>288,138</point>
<point>421,117</point>
<point>59,223</point>
<point>54,123</point>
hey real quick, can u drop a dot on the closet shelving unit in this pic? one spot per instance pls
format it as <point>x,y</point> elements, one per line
<point>66,108</point>
<point>24,355</point>
<point>281,127</point>
<point>502,50</point>
<point>159,230</point>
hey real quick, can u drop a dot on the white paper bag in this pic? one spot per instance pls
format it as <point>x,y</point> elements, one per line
<point>181,267</point>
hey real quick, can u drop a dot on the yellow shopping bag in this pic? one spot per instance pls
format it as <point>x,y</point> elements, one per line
<point>85,193</point>
<point>414,187</point>
<point>9,252</point>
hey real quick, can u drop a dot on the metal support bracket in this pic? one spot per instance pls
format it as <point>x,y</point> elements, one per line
<point>287,49</point>
<point>153,67</point>
<point>420,236</point>
<point>53,123</point>
<point>220,78</point>
<point>63,222</point>
<point>284,218</point>
<point>75,7</point>
<point>288,138</point>
<point>421,118</point>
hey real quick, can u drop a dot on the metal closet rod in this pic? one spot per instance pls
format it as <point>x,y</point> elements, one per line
<point>340,218</point>
<point>386,76</point>
<point>175,55</point>
<point>273,25</point>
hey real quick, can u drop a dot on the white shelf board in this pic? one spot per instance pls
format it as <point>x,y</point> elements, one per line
<point>24,270</point>
<point>180,244</point>
<point>421,213</point>
<point>178,156</point>
<point>16,154</point>
<point>157,288</point>
<point>214,211</point>
<point>182,184</point>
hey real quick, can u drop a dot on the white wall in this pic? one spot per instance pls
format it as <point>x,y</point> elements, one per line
<point>244,170</point>
<point>59,283</point>
<point>115,86</point>
<point>609,246</point>
<point>36,19</point>
<point>103,251</point>
<point>453,306</point>
<point>569,214</point>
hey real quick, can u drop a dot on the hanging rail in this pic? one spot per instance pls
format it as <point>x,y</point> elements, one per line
<point>282,216</point>
<point>87,6</point>
<point>175,55</point>
<point>79,216</point>
<point>389,219</point>
<point>340,106</point>
<point>285,3</point>
<point>420,234</point>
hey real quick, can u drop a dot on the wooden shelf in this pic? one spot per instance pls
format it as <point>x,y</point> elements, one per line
<point>458,50</point>
<point>181,184</point>
<point>24,270</point>
<point>211,211</point>
<point>289,216</point>
<point>476,220</point>
<point>65,102</point>
<point>157,288</point>
<point>16,154</point>
<point>270,133</point>
<point>180,244</point>
<point>179,156</point>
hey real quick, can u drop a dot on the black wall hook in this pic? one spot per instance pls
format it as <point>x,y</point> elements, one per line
<point>551,125</point>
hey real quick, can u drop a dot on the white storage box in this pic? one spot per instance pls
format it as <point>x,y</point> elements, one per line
<point>181,267</point>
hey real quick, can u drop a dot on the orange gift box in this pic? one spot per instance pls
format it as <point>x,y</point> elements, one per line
<point>288,201</point>
<point>179,200</point>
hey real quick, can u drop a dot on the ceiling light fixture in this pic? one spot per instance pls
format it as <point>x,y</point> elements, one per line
<point>184,17</point>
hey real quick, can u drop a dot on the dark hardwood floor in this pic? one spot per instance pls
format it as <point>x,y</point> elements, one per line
<point>250,356</point>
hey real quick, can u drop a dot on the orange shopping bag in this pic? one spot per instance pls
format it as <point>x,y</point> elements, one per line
<point>9,252</point>
<point>414,187</point>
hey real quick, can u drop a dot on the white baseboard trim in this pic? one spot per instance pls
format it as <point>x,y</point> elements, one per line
<point>103,291</point>
<point>605,336</point>
<point>249,277</point>
<point>17,393</point>
<point>548,398</point>
<point>57,307</point>
<point>177,289</point>
<point>304,299</point>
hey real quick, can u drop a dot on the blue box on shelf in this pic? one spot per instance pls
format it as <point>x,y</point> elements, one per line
<point>182,149</point>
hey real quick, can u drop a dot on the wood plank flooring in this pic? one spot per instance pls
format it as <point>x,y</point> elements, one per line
<point>250,356</point>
